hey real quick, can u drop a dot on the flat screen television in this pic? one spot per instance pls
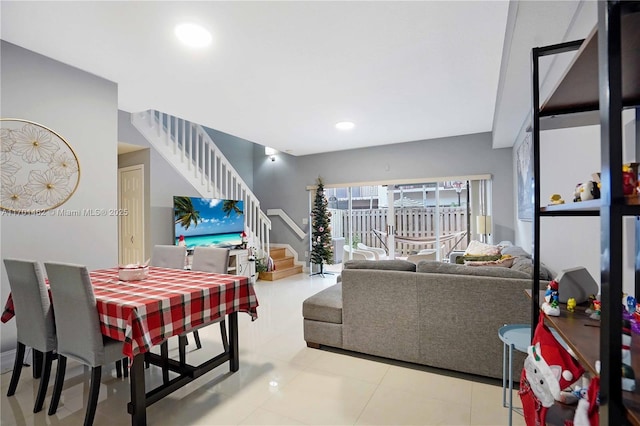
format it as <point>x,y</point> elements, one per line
<point>208,222</point>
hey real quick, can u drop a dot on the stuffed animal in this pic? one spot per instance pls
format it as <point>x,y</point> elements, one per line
<point>576,193</point>
<point>586,413</point>
<point>630,179</point>
<point>589,190</point>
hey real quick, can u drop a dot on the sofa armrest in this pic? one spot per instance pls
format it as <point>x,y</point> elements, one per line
<point>380,313</point>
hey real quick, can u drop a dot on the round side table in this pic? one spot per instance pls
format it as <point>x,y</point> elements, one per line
<point>518,337</point>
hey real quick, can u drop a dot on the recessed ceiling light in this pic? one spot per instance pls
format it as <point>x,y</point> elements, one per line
<point>345,125</point>
<point>193,35</point>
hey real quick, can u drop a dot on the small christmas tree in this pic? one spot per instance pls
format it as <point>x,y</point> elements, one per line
<point>321,249</point>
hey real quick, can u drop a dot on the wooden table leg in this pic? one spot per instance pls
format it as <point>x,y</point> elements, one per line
<point>233,342</point>
<point>138,407</point>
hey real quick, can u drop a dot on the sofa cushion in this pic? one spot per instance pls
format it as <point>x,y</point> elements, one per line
<point>433,266</point>
<point>516,251</point>
<point>525,265</point>
<point>324,306</point>
<point>387,265</point>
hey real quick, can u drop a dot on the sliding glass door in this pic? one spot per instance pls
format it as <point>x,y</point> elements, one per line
<point>409,221</point>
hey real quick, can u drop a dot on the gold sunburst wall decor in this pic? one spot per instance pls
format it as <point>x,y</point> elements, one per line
<point>40,171</point>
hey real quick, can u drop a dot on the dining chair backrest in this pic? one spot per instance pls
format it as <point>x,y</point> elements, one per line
<point>77,321</point>
<point>211,259</point>
<point>33,311</point>
<point>168,256</point>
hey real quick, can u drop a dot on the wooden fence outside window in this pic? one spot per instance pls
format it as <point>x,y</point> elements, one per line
<point>409,221</point>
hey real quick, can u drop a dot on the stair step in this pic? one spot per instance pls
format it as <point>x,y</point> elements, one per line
<point>284,263</point>
<point>277,253</point>
<point>280,273</point>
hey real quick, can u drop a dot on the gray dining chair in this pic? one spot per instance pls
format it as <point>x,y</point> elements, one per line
<point>34,322</point>
<point>168,256</point>
<point>78,330</point>
<point>210,259</point>
<point>216,260</point>
<point>173,257</point>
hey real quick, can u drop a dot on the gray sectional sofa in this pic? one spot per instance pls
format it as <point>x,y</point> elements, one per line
<point>436,314</point>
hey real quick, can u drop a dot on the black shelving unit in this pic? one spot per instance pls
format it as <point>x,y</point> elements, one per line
<point>604,76</point>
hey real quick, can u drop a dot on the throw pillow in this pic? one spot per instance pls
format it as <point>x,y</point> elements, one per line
<point>476,258</point>
<point>515,251</point>
<point>525,265</point>
<point>432,266</point>
<point>481,249</point>
<point>503,262</point>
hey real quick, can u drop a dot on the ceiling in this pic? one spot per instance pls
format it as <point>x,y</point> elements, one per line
<point>281,74</point>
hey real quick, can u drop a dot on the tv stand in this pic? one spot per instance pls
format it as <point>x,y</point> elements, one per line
<point>241,264</point>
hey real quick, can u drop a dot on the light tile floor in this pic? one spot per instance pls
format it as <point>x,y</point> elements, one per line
<point>280,382</point>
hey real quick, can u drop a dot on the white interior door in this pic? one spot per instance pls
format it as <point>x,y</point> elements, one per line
<point>131,222</point>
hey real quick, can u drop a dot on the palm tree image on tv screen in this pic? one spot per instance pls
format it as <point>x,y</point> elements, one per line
<point>208,222</point>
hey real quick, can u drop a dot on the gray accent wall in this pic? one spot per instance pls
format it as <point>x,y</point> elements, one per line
<point>82,108</point>
<point>238,151</point>
<point>282,183</point>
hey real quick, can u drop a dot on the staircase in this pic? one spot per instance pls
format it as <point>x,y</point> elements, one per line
<point>192,152</point>
<point>284,265</point>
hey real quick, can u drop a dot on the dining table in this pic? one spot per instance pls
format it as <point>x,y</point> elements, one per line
<point>168,302</point>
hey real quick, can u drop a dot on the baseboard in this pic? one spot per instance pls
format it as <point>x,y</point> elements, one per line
<point>7,360</point>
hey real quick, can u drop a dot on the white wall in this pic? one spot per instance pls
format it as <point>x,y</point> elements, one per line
<point>568,157</point>
<point>82,108</point>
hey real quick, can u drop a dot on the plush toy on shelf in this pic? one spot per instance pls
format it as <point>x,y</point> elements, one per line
<point>586,191</point>
<point>586,413</point>
<point>630,179</point>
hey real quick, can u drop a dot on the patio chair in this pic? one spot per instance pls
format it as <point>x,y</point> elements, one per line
<point>34,321</point>
<point>357,254</point>
<point>379,252</point>
<point>78,330</point>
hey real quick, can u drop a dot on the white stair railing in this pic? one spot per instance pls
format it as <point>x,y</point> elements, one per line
<point>192,152</point>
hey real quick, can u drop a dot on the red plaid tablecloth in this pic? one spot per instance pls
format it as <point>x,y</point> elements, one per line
<point>169,302</point>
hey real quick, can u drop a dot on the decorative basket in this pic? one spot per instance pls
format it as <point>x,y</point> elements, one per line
<point>133,273</point>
